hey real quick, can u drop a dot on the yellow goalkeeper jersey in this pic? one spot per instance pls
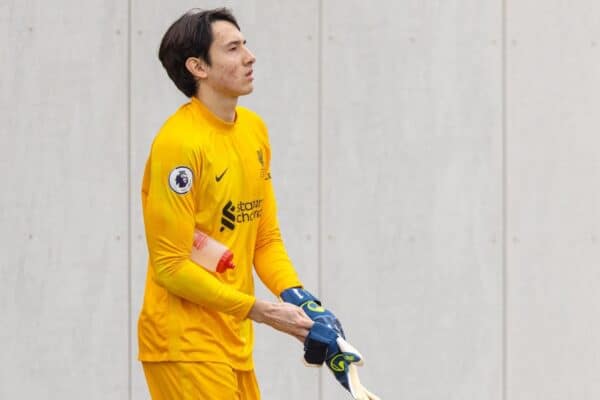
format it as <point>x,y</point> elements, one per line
<point>207,174</point>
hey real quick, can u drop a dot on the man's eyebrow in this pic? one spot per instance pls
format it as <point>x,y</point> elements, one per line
<point>235,42</point>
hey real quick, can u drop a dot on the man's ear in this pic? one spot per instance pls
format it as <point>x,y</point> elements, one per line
<point>197,67</point>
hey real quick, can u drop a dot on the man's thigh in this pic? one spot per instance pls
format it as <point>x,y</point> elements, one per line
<point>199,381</point>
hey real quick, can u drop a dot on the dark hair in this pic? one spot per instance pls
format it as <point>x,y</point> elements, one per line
<point>190,36</point>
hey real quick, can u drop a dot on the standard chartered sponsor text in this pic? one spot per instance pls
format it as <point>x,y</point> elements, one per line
<point>248,211</point>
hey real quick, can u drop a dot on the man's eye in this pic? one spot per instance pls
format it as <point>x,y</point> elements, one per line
<point>232,48</point>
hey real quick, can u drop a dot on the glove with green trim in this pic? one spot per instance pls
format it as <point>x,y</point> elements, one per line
<point>326,343</point>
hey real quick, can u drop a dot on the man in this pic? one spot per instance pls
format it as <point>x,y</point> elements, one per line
<point>209,170</point>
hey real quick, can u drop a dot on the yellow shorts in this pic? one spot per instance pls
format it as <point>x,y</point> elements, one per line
<point>199,381</point>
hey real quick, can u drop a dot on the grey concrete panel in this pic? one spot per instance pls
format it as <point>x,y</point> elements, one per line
<point>553,198</point>
<point>63,210</point>
<point>411,194</point>
<point>283,36</point>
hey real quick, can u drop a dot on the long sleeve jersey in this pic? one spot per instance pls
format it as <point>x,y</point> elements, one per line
<point>207,174</point>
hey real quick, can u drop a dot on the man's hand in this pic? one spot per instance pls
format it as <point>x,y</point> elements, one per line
<point>312,307</point>
<point>326,343</point>
<point>284,317</point>
<point>320,343</point>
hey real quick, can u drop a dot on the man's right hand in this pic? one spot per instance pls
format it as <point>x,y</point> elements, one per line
<point>312,307</point>
<point>284,317</point>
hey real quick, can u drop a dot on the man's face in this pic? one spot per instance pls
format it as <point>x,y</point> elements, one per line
<point>230,72</point>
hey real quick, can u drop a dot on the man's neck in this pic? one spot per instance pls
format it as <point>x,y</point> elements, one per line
<point>223,107</point>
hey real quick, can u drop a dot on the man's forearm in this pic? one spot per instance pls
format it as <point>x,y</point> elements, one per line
<point>199,286</point>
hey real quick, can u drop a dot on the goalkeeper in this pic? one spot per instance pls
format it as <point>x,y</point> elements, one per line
<point>209,170</point>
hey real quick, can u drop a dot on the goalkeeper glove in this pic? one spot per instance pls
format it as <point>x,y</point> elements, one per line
<point>326,343</point>
<point>312,307</point>
<point>349,375</point>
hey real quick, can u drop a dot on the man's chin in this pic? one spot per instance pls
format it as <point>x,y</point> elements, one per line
<point>239,92</point>
<point>247,91</point>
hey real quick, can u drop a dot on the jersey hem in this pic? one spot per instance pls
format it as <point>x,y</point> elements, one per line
<point>244,366</point>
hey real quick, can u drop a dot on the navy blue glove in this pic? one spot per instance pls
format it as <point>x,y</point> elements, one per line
<point>312,307</point>
<point>326,343</point>
<point>323,344</point>
<point>316,344</point>
<point>320,344</point>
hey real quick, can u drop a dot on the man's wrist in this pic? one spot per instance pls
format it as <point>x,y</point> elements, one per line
<point>259,311</point>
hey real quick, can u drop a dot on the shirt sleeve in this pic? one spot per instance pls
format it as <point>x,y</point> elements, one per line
<point>168,194</point>
<point>271,261</point>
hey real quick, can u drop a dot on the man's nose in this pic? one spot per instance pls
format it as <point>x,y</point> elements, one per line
<point>250,58</point>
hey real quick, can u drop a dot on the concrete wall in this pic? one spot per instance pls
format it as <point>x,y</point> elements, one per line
<point>64,205</point>
<point>435,166</point>
<point>553,199</point>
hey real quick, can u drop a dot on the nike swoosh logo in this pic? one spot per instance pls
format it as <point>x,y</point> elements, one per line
<point>219,177</point>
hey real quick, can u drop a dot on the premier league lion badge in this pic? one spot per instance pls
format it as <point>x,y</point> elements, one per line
<point>180,180</point>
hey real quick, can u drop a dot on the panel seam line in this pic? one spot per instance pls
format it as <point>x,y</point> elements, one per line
<point>504,205</point>
<point>129,198</point>
<point>320,165</point>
